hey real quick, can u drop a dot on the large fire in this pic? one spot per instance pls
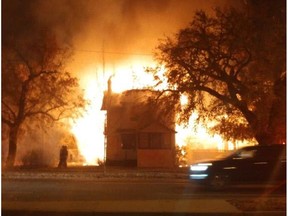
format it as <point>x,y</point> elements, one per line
<point>89,129</point>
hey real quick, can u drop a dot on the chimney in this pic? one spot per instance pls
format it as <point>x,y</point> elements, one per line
<point>109,86</point>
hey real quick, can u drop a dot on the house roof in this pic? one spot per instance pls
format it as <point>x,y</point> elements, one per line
<point>154,127</point>
<point>157,127</point>
<point>111,99</point>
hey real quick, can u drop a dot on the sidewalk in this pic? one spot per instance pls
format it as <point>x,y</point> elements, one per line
<point>130,207</point>
<point>86,173</point>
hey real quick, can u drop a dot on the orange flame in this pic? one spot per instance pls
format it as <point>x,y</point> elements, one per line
<point>89,129</point>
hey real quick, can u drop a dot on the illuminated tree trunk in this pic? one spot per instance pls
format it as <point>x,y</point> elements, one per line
<point>14,128</point>
<point>261,134</point>
<point>13,136</point>
<point>263,137</point>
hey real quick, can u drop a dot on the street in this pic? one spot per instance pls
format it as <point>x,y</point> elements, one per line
<point>120,189</point>
<point>118,195</point>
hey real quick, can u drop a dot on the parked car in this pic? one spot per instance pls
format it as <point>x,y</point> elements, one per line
<point>252,164</point>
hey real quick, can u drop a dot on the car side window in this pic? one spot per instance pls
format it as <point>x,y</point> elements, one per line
<point>270,154</point>
<point>265,154</point>
<point>245,154</point>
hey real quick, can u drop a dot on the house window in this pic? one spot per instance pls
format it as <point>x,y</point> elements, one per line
<point>128,141</point>
<point>154,141</point>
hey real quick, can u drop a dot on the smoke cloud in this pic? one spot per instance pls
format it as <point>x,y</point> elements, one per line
<point>118,26</point>
<point>101,32</point>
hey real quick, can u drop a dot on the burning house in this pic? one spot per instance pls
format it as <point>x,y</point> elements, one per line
<point>135,132</point>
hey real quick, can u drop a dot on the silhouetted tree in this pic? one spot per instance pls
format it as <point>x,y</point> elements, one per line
<point>226,70</point>
<point>35,86</point>
<point>269,20</point>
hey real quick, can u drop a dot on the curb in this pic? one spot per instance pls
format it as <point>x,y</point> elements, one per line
<point>90,175</point>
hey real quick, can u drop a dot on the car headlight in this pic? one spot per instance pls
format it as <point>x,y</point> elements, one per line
<point>200,166</point>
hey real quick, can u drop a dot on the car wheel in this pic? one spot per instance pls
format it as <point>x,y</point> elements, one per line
<point>218,182</point>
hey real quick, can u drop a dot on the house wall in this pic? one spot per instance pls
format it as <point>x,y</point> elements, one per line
<point>126,113</point>
<point>114,150</point>
<point>159,158</point>
<point>118,118</point>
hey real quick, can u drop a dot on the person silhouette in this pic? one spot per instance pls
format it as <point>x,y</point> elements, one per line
<point>63,157</point>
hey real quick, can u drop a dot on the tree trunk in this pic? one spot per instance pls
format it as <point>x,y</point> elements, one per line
<point>13,136</point>
<point>265,138</point>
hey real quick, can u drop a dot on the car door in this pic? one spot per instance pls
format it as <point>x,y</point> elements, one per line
<point>262,164</point>
<point>270,163</point>
<point>240,166</point>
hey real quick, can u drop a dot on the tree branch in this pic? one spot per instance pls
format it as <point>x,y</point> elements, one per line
<point>9,109</point>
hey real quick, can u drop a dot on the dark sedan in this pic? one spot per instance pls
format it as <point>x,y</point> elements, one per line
<point>252,164</point>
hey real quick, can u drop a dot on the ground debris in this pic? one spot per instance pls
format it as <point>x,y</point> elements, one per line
<point>260,204</point>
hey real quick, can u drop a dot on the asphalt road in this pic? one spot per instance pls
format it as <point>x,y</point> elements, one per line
<point>124,195</point>
<point>119,189</point>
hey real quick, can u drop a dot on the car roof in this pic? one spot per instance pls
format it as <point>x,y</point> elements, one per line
<point>272,146</point>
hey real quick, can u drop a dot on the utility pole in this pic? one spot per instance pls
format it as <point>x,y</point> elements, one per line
<point>105,136</point>
<point>103,59</point>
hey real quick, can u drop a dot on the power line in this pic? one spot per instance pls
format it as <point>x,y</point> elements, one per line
<point>114,53</point>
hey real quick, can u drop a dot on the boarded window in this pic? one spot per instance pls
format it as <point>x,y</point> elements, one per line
<point>154,141</point>
<point>128,141</point>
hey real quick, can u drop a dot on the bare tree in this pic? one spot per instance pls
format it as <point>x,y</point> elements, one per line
<point>35,86</point>
<point>217,64</point>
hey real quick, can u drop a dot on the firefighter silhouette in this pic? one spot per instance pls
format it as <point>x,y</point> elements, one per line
<point>63,157</point>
